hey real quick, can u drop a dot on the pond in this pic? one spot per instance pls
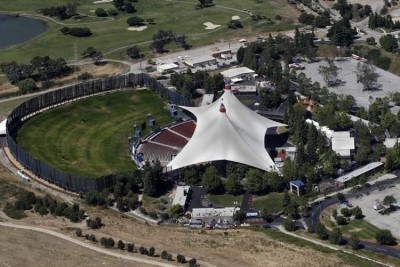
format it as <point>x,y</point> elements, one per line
<point>16,29</point>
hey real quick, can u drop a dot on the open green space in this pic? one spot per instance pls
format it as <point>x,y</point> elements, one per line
<point>109,35</point>
<point>225,200</point>
<point>362,228</point>
<point>272,202</point>
<point>91,134</point>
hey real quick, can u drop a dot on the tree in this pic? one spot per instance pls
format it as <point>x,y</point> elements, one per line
<point>286,199</point>
<point>389,42</point>
<point>354,241</point>
<point>389,200</point>
<point>346,212</point>
<point>341,33</point>
<point>211,180</point>
<point>192,262</point>
<point>134,52</point>
<point>121,245</point>
<point>232,184</point>
<point>240,54</point>
<point>341,220</point>
<point>289,224</point>
<point>205,3</point>
<point>330,73</point>
<point>385,237</point>
<point>180,258</point>
<point>152,250</point>
<point>27,86</point>
<point>129,8</point>
<point>135,21</point>
<point>234,24</point>
<point>357,212</point>
<point>335,237</point>
<point>321,231</point>
<point>255,182</point>
<point>164,255</point>
<point>130,247</point>
<point>78,232</point>
<point>152,178</point>
<point>100,12</point>
<point>367,76</point>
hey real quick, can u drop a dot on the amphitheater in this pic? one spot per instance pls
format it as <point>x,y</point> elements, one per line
<point>166,143</point>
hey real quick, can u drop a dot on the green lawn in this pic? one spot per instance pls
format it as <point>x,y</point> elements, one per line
<point>362,228</point>
<point>225,200</point>
<point>272,202</point>
<point>110,35</point>
<point>98,146</point>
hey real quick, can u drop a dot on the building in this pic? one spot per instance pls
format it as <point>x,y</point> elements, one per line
<point>297,187</point>
<point>227,130</point>
<point>240,74</point>
<point>215,217</point>
<point>342,180</point>
<point>343,144</point>
<point>181,196</point>
<point>165,68</point>
<point>201,61</point>
<point>224,54</point>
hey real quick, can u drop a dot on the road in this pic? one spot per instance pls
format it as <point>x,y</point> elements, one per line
<point>317,209</point>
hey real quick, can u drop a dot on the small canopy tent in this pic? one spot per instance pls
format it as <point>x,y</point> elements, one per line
<point>227,130</point>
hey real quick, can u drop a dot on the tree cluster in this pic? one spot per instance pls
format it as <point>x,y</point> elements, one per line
<point>378,21</point>
<point>162,38</point>
<point>94,54</point>
<point>350,11</point>
<point>187,83</point>
<point>61,12</point>
<point>134,52</point>
<point>389,43</point>
<point>94,224</point>
<point>125,5</point>
<point>341,33</point>
<point>320,21</point>
<point>76,31</point>
<point>385,237</point>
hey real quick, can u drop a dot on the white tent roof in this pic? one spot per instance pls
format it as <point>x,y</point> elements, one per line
<point>3,130</point>
<point>235,135</point>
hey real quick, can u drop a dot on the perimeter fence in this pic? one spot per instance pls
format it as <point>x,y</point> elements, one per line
<point>41,103</point>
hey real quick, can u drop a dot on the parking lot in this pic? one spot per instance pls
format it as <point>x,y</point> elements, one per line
<point>366,203</point>
<point>389,81</point>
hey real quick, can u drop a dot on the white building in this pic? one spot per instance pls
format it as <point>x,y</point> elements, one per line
<point>343,143</point>
<point>163,68</point>
<point>181,195</point>
<point>215,217</point>
<point>358,172</point>
<point>239,74</point>
<point>201,61</point>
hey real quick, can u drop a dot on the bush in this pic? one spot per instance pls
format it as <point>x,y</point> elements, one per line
<point>78,32</point>
<point>135,21</point>
<point>341,220</point>
<point>85,76</point>
<point>385,237</point>
<point>92,238</point>
<point>78,232</point>
<point>152,250</point>
<point>13,212</point>
<point>153,215</point>
<point>180,258</point>
<point>100,12</point>
<point>357,212</point>
<point>130,247</point>
<point>346,212</point>
<point>354,242</point>
<point>121,245</point>
<point>341,197</point>
<point>289,224</point>
<point>321,231</point>
<point>335,237</point>
<point>164,255</point>
<point>234,24</point>
<point>27,86</point>
<point>193,262</point>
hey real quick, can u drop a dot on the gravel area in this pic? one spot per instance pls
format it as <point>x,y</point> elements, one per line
<point>389,81</point>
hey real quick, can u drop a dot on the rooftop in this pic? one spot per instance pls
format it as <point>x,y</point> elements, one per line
<point>214,212</point>
<point>168,66</point>
<point>298,183</point>
<point>181,195</point>
<point>360,171</point>
<point>231,73</point>
<point>199,60</point>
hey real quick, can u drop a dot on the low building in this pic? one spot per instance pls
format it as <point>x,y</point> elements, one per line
<point>215,217</point>
<point>297,187</point>
<point>181,196</point>
<point>342,180</point>
<point>165,68</point>
<point>222,54</point>
<point>239,74</point>
<point>343,144</point>
<point>201,61</point>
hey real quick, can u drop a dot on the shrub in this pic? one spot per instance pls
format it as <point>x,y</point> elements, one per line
<point>78,32</point>
<point>130,247</point>
<point>193,262</point>
<point>341,197</point>
<point>164,255</point>
<point>78,232</point>
<point>112,12</point>
<point>85,76</point>
<point>289,224</point>
<point>153,215</point>
<point>346,212</point>
<point>100,12</point>
<point>321,231</point>
<point>357,212</point>
<point>13,212</point>
<point>335,237</point>
<point>354,242</point>
<point>135,21</point>
<point>341,220</point>
<point>234,24</point>
<point>180,258</point>
<point>152,250</point>
<point>121,245</point>
<point>27,86</point>
<point>92,238</point>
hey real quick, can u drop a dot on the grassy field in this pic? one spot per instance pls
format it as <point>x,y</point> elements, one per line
<point>97,146</point>
<point>225,200</point>
<point>272,202</point>
<point>110,35</point>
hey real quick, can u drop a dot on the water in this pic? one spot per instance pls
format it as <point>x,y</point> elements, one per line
<point>17,30</point>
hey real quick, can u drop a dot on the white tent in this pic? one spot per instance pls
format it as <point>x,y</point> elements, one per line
<point>227,130</point>
<point>3,130</point>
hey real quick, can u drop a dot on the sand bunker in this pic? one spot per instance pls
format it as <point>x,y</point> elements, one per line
<point>211,26</point>
<point>235,17</point>
<point>102,1</point>
<point>138,29</point>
